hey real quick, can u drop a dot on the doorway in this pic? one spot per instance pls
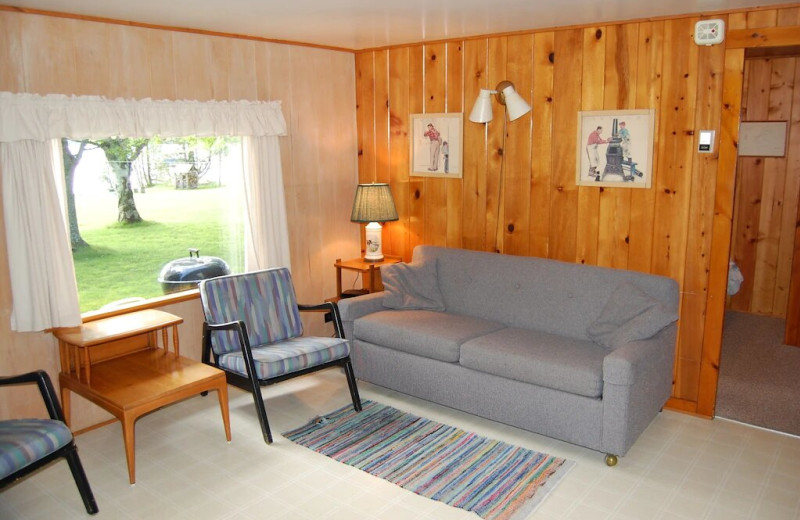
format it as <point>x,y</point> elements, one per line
<point>767,191</point>
<point>757,378</point>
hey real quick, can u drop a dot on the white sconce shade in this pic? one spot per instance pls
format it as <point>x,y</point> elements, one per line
<point>515,105</point>
<point>482,110</point>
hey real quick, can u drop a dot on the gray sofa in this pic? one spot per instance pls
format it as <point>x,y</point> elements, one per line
<point>580,353</point>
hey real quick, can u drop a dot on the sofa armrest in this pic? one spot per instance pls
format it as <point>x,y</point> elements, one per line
<point>351,309</point>
<point>637,381</point>
<point>628,364</point>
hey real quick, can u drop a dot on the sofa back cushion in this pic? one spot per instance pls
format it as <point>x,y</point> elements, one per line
<point>412,286</point>
<point>629,315</point>
<point>535,293</point>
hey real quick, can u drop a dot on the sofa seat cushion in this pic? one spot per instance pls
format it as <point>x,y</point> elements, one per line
<point>539,358</point>
<point>431,334</point>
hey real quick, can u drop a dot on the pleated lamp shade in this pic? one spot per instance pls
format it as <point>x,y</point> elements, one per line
<point>373,204</point>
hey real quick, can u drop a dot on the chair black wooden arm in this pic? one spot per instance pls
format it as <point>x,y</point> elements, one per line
<point>69,451</point>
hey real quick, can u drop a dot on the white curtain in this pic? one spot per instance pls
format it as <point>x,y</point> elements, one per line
<point>267,230</point>
<point>43,287</point>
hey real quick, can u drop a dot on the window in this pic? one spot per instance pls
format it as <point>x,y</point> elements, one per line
<point>140,204</point>
<point>40,262</point>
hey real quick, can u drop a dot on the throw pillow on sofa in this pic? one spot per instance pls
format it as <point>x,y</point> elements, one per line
<point>629,315</point>
<point>412,286</point>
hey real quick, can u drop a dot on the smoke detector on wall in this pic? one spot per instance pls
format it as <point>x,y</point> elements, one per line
<point>709,32</point>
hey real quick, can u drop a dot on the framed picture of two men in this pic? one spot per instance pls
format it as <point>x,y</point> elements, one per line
<point>436,145</point>
<point>615,148</point>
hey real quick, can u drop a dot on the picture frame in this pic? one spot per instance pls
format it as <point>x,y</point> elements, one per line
<point>615,148</point>
<point>440,157</point>
<point>763,138</point>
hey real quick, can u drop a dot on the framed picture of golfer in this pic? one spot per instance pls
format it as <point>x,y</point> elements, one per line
<point>436,145</point>
<point>615,148</point>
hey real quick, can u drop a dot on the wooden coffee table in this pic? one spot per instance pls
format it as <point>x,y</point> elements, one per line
<point>117,364</point>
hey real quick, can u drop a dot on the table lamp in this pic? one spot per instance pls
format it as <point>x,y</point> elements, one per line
<point>373,204</point>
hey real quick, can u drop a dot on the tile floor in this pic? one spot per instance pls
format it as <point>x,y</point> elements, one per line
<point>682,467</point>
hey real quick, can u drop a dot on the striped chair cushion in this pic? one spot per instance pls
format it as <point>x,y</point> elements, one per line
<point>288,356</point>
<point>24,441</point>
<point>264,300</point>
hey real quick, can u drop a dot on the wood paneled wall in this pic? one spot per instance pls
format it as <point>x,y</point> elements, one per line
<point>767,190</point>
<point>537,209</point>
<point>44,54</point>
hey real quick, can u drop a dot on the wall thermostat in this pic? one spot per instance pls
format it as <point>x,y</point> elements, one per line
<point>705,144</point>
<point>709,32</point>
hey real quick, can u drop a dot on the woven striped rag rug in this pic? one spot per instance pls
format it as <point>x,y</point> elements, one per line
<point>494,479</point>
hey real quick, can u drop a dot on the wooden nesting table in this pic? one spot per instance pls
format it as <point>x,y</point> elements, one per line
<point>117,364</point>
<point>370,272</point>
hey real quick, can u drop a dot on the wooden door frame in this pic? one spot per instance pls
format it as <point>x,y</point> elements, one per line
<point>737,43</point>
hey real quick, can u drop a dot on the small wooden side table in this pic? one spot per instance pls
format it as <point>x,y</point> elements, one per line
<point>117,364</point>
<point>370,272</point>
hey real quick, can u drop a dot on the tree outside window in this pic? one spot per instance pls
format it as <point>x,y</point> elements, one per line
<point>134,205</point>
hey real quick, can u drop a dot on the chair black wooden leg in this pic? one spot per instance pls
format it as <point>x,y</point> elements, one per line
<point>81,481</point>
<point>255,387</point>
<point>262,413</point>
<point>351,382</point>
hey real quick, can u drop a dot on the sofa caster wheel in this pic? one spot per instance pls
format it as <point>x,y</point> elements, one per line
<point>611,460</point>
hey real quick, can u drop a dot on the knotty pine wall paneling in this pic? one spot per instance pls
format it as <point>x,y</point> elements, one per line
<point>567,90</point>
<point>542,144</point>
<point>434,201</point>
<point>769,296</point>
<point>497,53</point>
<point>516,177</point>
<point>475,147</point>
<point>674,179</point>
<point>317,87</point>
<point>394,233</point>
<point>698,240</point>
<point>590,220</point>
<point>455,102</point>
<point>789,193</point>
<point>649,80</point>
<point>416,185</point>
<point>679,228</point>
<point>619,93</point>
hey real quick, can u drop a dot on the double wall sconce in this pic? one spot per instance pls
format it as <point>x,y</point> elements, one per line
<point>516,107</point>
<point>507,95</point>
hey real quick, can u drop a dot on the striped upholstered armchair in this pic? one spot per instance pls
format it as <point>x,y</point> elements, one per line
<point>253,332</point>
<point>28,444</point>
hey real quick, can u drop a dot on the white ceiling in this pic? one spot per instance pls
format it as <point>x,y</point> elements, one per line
<point>360,24</point>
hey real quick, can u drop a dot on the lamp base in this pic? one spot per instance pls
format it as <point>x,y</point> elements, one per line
<point>374,242</point>
<point>373,259</point>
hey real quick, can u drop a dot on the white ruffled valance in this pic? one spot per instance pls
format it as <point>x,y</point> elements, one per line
<point>53,116</point>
